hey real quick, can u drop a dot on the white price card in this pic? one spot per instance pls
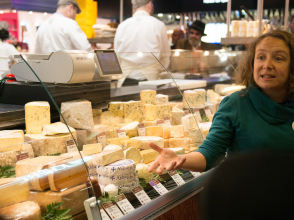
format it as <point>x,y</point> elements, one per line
<point>101,138</point>
<point>167,120</point>
<point>103,214</point>
<point>197,114</point>
<point>141,130</point>
<point>112,210</point>
<point>121,133</point>
<point>124,204</point>
<point>176,177</point>
<point>71,146</point>
<point>195,174</point>
<point>160,122</point>
<point>158,187</point>
<point>141,195</point>
<point>207,111</point>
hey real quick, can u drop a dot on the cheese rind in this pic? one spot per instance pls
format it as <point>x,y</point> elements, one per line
<point>180,143</point>
<point>149,155</point>
<point>154,112</point>
<point>131,143</point>
<point>14,192</point>
<point>156,131</point>
<point>112,147</point>
<point>78,114</point>
<point>117,109</point>
<point>176,131</point>
<point>133,111</point>
<point>10,157</point>
<point>146,139</point>
<point>142,172</point>
<point>117,179</point>
<point>195,98</point>
<point>11,140</point>
<point>56,128</point>
<point>148,97</point>
<point>37,114</point>
<point>116,141</point>
<point>111,189</point>
<point>90,149</point>
<point>25,211</point>
<point>47,145</point>
<point>120,167</point>
<point>149,123</point>
<point>177,116</point>
<point>131,129</point>
<point>108,157</point>
<point>189,122</point>
<point>161,99</point>
<point>85,137</point>
<point>133,154</point>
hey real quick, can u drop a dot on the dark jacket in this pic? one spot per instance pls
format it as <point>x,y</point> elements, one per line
<point>184,44</point>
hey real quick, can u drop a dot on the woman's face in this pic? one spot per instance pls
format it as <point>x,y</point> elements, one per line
<point>272,64</point>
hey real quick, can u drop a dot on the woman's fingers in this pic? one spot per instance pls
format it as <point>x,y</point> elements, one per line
<point>171,166</point>
<point>180,163</point>
<point>155,147</point>
<point>153,166</point>
<point>160,169</point>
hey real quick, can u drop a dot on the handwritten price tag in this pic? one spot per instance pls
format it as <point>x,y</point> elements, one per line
<point>176,177</point>
<point>141,130</point>
<point>121,133</point>
<point>158,187</point>
<point>124,204</point>
<point>71,147</point>
<point>101,138</point>
<point>160,122</point>
<point>196,174</point>
<point>112,210</point>
<point>103,214</point>
<point>167,120</point>
<point>197,114</point>
<point>141,195</point>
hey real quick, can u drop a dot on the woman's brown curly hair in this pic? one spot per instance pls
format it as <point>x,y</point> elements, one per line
<point>244,72</point>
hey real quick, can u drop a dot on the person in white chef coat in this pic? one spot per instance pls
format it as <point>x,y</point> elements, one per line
<point>61,31</point>
<point>6,50</point>
<point>134,41</point>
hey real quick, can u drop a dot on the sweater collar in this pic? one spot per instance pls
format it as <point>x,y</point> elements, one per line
<point>141,13</point>
<point>269,110</point>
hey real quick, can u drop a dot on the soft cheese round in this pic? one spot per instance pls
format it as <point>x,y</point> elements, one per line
<point>116,179</point>
<point>117,168</point>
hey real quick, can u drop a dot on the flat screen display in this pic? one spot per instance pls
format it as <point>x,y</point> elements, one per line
<point>109,63</point>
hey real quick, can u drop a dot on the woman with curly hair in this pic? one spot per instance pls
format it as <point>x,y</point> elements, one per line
<point>6,50</point>
<point>258,117</point>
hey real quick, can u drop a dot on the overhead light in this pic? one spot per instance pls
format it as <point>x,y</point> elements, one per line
<point>186,17</point>
<point>37,24</point>
<point>45,13</point>
<point>14,11</point>
<point>178,16</point>
<point>1,12</point>
<point>206,53</point>
<point>160,15</point>
<point>22,23</point>
<point>30,12</point>
<point>140,54</point>
<point>170,16</point>
<point>177,54</point>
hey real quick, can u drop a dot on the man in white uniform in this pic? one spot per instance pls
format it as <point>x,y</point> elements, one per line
<point>136,38</point>
<point>61,31</point>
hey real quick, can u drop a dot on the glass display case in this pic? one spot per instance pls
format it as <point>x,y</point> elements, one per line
<point>79,149</point>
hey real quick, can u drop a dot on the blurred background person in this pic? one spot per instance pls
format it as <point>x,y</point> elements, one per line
<point>178,34</point>
<point>291,24</point>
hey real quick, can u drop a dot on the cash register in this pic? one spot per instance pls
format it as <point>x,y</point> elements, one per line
<point>67,74</point>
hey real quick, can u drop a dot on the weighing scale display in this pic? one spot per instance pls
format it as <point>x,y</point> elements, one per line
<point>108,63</point>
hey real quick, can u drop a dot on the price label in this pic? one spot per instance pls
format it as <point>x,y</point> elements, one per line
<point>160,122</point>
<point>141,195</point>
<point>197,114</point>
<point>141,130</point>
<point>124,204</point>
<point>176,177</point>
<point>207,111</point>
<point>121,133</point>
<point>92,170</point>
<point>71,147</point>
<point>103,214</point>
<point>112,210</point>
<point>101,138</point>
<point>22,156</point>
<point>158,187</point>
<point>167,120</point>
<point>195,174</point>
<point>187,112</point>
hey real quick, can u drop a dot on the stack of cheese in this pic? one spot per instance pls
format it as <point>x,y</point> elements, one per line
<point>103,31</point>
<point>194,98</point>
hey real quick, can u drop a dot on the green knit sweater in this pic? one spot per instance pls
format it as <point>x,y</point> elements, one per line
<point>249,122</point>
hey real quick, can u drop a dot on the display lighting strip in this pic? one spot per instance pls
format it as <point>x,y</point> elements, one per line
<point>214,1</point>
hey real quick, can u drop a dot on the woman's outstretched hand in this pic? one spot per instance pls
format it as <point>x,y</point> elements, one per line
<point>167,159</point>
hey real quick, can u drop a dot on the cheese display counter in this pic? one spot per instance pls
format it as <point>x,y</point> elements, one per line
<point>79,159</point>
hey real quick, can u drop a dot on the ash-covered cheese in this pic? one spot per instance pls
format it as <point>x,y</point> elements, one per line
<point>131,143</point>
<point>117,179</point>
<point>131,129</point>
<point>146,139</point>
<point>142,172</point>
<point>111,189</point>
<point>156,131</point>
<point>120,167</point>
<point>189,122</point>
<point>14,191</point>
<point>10,157</point>
<point>11,140</point>
<point>133,154</point>
<point>112,147</point>
<point>56,128</point>
<point>149,155</point>
<point>108,157</point>
<point>161,99</point>
<point>176,115</point>
<point>78,114</point>
<point>154,112</point>
<point>176,131</point>
<point>25,211</point>
<point>180,143</point>
<point>148,97</point>
<point>149,123</point>
<point>48,145</point>
<point>134,111</point>
<point>194,135</point>
<point>37,114</point>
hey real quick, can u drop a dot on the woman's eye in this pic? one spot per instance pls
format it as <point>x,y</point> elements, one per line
<point>259,57</point>
<point>279,58</point>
